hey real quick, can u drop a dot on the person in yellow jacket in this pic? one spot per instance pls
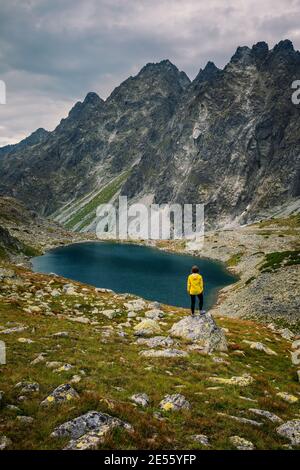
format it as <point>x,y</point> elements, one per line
<point>195,288</point>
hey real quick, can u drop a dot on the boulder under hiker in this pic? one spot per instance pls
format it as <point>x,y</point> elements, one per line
<point>195,289</point>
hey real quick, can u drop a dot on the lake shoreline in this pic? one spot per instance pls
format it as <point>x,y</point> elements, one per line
<point>159,268</point>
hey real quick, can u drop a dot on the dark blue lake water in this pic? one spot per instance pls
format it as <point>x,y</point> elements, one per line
<point>144,271</point>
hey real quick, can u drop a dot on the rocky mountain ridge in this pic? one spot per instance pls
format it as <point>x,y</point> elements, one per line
<point>228,139</point>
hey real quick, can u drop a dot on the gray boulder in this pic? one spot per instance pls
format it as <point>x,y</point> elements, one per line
<point>174,402</point>
<point>200,439</point>
<point>141,399</point>
<point>163,353</point>
<point>240,443</point>
<point>28,387</point>
<point>290,430</point>
<point>155,314</point>
<point>62,393</point>
<point>266,414</point>
<point>156,341</point>
<point>90,421</point>
<point>202,330</point>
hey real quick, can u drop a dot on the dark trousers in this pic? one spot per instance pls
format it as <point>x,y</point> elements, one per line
<point>193,302</point>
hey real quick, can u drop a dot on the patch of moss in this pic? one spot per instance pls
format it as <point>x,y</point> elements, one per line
<point>249,280</point>
<point>293,222</point>
<point>234,259</point>
<point>104,196</point>
<point>30,251</point>
<point>277,260</point>
<point>3,254</point>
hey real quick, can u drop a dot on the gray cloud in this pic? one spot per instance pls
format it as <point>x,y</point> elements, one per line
<point>54,51</point>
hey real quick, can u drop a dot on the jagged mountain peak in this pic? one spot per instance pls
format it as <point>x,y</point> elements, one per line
<point>164,67</point>
<point>93,98</point>
<point>34,138</point>
<point>242,56</point>
<point>209,72</point>
<point>164,64</point>
<point>284,46</point>
<point>260,49</point>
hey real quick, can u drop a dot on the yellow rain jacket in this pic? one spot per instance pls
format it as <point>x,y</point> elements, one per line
<point>195,284</point>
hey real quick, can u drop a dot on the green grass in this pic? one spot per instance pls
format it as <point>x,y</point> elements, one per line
<point>277,260</point>
<point>114,370</point>
<point>31,251</point>
<point>293,222</point>
<point>3,254</point>
<point>104,196</point>
<point>234,259</point>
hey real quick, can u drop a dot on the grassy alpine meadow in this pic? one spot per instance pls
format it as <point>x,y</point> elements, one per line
<point>57,332</point>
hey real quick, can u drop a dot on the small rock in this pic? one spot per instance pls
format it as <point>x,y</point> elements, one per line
<point>25,340</point>
<point>110,314</point>
<point>146,327</point>
<point>286,334</point>
<point>290,430</point>
<point>135,305</point>
<point>155,314</point>
<point>13,408</point>
<point>163,353</point>
<point>64,368</point>
<point>55,293</point>
<point>295,357</point>
<point>53,364</point>
<point>25,419</point>
<point>16,329</point>
<point>242,420</point>
<point>238,352</point>
<point>296,344</point>
<point>81,319</point>
<point>287,397</point>
<point>247,399</point>
<point>61,334</point>
<point>260,347</point>
<point>156,341</point>
<point>220,360</point>
<point>174,402</point>
<point>5,442</point>
<point>75,379</point>
<point>61,394</point>
<point>242,381</point>
<point>90,440</point>
<point>240,443</point>
<point>141,399</point>
<point>38,359</point>
<point>200,439</point>
<point>266,414</point>
<point>35,309</point>
<point>132,314</point>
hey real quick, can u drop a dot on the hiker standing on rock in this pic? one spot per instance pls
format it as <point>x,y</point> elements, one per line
<point>195,288</point>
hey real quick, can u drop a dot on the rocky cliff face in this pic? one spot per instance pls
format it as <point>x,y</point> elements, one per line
<point>234,140</point>
<point>230,139</point>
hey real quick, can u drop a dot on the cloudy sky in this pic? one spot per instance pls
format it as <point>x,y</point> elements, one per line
<point>52,52</point>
